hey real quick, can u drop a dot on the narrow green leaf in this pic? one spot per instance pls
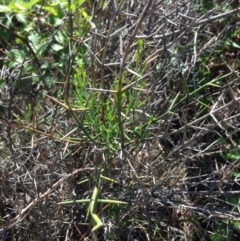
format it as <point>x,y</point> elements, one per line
<point>83,181</point>
<point>111,201</point>
<point>98,222</point>
<point>93,201</point>
<point>72,202</point>
<point>108,179</point>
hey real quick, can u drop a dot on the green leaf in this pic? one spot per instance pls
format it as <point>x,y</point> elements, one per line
<point>111,201</point>
<point>235,45</point>
<point>58,22</point>
<point>52,10</point>
<point>72,202</point>
<point>56,47</point>
<point>15,57</point>
<point>22,18</point>
<point>29,27</point>
<point>35,39</point>
<point>26,5</point>
<point>5,9</point>
<point>20,6</point>
<point>60,38</point>
<point>76,4</point>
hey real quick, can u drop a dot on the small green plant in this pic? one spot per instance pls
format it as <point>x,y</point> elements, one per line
<point>94,200</point>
